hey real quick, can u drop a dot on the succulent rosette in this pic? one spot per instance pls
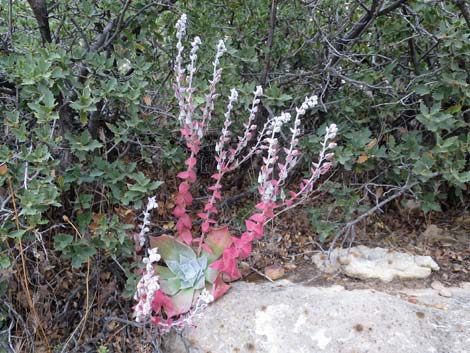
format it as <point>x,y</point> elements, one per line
<point>186,274</point>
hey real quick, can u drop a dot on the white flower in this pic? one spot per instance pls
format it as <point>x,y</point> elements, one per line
<point>196,41</point>
<point>152,203</point>
<point>206,297</point>
<point>233,95</point>
<point>194,48</point>
<point>313,101</point>
<point>181,23</point>
<point>154,256</point>
<point>285,117</point>
<point>220,51</point>
<point>258,92</point>
<point>221,48</point>
<point>331,131</point>
<point>268,194</point>
<point>181,26</point>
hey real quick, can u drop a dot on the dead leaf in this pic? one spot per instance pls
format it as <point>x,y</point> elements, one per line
<point>245,268</point>
<point>362,158</point>
<point>379,192</point>
<point>372,143</point>
<point>147,100</point>
<point>413,205</point>
<point>3,169</point>
<point>95,224</point>
<point>290,266</point>
<point>434,234</point>
<point>169,226</point>
<point>126,215</point>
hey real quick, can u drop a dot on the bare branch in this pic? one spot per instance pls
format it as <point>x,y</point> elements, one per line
<point>82,34</point>
<point>464,10</point>
<point>119,23</point>
<point>41,14</point>
<point>349,228</point>
<point>391,7</point>
<point>267,56</point>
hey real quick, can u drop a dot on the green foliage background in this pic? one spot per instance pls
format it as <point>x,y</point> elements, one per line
<point>87,121</point>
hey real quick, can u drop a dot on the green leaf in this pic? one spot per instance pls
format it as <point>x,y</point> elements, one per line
<point>81,253</point>
<point>61,241</point>
<point>170,286</point>
<point>17,234</point>
<point>4,262</point>
<point>171,249</point>
<point>422,90</point>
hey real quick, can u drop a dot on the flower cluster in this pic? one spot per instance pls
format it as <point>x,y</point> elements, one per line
<point>203,300</point>
<point>147,287</point>
<point>144,229</point>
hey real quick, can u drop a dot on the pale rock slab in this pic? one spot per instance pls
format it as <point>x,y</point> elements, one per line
<point>375,263</point>
<point>284,317</point>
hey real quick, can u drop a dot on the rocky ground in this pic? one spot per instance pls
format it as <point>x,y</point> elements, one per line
<point>309,310</point>
<point>292,316</point>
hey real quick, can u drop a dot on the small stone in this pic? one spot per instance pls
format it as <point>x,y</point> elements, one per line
<point>274,272</point>
<point>465,285</point>
<point>445,292</point>
<point>245,268</point>
<point>437,285</point>
<point>441,289</point>
<point>290,267</point>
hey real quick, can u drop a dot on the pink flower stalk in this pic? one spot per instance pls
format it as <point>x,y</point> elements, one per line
<point>211,96</point>
<point>270,183</point>
<point>321,167</point>
<point>250,130</point>
<point>271,177</point>
<point>222,168</point>
<point>179,71</point>
<point>192,129</point>
<point>227,160</point>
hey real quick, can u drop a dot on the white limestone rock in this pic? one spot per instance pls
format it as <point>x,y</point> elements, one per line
<point>283,317</point>
<point>376,263</point>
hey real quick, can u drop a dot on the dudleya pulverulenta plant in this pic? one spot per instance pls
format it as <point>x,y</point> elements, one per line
<point>196,267</point>
<point>186,274</point>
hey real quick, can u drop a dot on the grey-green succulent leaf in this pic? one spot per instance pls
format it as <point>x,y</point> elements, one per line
<point>190,271</point>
